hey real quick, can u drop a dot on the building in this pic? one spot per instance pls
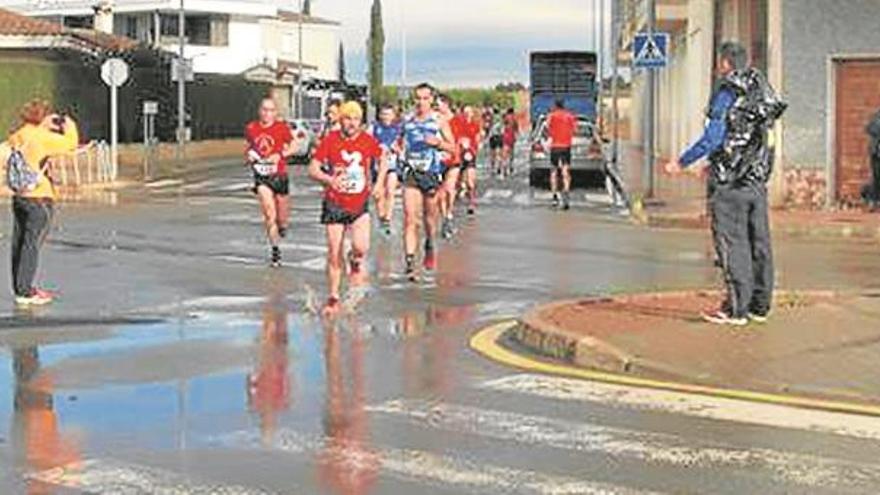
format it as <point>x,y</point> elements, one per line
<point>253,38</point>
<point>825,61</point>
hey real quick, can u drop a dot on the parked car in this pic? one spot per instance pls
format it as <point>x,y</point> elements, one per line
<point>587,154</point>
<point>304,131</point>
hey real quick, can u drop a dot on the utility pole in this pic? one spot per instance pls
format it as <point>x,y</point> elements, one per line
<point>181,84</point>
<point>299,77</point>
<point>648,166</point>
<point>600,50</point>
<point>402,46</point>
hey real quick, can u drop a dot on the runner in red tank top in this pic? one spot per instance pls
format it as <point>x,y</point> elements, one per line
<point>453,167</point>
<point>269,144</point>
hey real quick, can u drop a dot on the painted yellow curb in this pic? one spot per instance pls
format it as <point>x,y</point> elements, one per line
<point>485,342</point>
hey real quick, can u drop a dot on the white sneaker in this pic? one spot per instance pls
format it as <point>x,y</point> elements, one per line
<point>722,318</point>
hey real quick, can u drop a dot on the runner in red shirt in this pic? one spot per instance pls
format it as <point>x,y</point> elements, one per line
<point>452,164</point>
<point>560,128</point>
<point>269,144</point>
<point>508,140</point>
<point>342,163</point>
<point>472,133</point>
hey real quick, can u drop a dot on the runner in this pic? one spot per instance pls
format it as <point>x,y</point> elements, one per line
<point>452,166</point>
<point>470,144</point>
<point>508,140</point>
<point>561,125</point>
<point>342,164</point>
<point>331,118</point>
<point>496,143</point>
<point>387,130</point>
<point>269,143</point>
<point>425,135</point>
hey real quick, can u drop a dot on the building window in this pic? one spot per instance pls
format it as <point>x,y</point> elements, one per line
<point>200,30</point>
<point>131,27</point>
<point>83,22</point>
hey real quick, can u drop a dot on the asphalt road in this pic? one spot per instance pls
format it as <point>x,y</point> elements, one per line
<point>177,362</point>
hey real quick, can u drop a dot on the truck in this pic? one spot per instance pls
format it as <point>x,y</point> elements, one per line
<point>571,76</point>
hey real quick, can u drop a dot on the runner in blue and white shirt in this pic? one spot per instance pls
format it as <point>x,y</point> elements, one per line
<point>389,133</point>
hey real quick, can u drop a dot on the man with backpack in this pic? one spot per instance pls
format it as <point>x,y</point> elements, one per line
<point>742,110</point>
<point>31,148</point>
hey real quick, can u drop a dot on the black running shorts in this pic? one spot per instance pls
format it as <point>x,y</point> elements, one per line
<point>278,184</point>
<point>560,157</point>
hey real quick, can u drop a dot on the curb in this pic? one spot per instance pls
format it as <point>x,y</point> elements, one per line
<point>485,342</point>
<point>586,351</point>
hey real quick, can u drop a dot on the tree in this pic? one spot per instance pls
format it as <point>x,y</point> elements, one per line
<point>341,63</point>
<point>307,7</point>
<point>376,50</point>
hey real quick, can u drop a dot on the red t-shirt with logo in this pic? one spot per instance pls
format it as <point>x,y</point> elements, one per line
<point>470,130</point>
<point>268,140</point>
<point>350,157</point>
<point>561,125</point>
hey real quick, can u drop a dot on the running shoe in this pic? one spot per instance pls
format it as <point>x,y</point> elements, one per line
<point>447,229</point>
<point>282,232</point>
<point>411,268</point>
<point>386,227</point>
<point>36,297</point>
<point>760,318</point>
<point>724,318</point>
<point>430,261</point>
<point>276,257</point>
<point>565,203</point>
<point>471,210</point>
<point>555,201</point>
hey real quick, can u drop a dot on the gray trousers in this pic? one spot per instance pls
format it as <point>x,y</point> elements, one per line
<point>31,222</point>
<point>741,231</point>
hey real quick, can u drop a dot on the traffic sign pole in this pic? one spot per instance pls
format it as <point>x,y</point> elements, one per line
<point>114,73</point>
<point>648,166</point>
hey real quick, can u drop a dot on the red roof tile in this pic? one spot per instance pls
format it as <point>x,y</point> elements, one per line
<point>17,24</point>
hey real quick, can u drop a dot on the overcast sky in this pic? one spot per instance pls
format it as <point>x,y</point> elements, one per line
<point>463,42</point>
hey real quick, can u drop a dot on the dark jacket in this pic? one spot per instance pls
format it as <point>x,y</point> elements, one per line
<point>744,157</point>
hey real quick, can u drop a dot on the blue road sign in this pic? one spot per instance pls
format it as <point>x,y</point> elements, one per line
<point>651,50</point>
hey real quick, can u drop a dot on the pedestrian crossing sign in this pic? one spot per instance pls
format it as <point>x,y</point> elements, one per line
<point>650,50</point>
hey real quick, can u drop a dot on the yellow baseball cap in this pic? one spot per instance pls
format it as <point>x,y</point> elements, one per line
<point>351,109</point>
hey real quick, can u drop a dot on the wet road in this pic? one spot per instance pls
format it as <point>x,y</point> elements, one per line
<point>176,362</point>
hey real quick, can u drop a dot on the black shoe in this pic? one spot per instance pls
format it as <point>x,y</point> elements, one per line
<point>471,211</point>
<point>555,201</point>
<point>565,204</point>
<point>276,256</point>
<point>411,268</point>
<point>282,232</point>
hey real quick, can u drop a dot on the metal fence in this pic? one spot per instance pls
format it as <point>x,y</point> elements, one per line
<point>88,165</point>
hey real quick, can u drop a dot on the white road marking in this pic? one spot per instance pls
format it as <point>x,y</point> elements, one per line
<point>602,199</point>
<point>201,185</point>
<point>716,408</point>
<point>420,466</point>
<point>315,264</point>
<point>107,476</point>
<point>648,447</point>
<point>164,183</point>
<point>498,193</point>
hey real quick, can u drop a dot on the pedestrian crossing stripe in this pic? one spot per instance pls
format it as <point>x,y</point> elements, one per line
<point>110,476</point>
<point>420,466</point>
<point>622,443</point>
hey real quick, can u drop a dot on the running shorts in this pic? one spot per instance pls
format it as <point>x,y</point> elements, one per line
<point>560,156</point>
<point>333,214</point>
<point>278,184</point>
<point>427,182</point>
<point>496,142</point>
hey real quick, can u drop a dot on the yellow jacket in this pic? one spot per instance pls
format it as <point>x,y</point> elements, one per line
<point>37,144</point>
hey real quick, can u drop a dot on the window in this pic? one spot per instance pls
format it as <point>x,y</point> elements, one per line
<point>85,22</point>
<point>131,27</point>
<point>200,30</point>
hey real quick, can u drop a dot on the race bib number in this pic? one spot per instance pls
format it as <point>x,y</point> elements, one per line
<point>355,178</point>
<point>265,168</point>
<point>420,162</point>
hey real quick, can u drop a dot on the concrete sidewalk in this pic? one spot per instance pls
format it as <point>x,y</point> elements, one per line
<point>820,345</point>
<point>848,224</point>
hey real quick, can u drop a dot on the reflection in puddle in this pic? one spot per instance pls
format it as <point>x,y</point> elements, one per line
<point>262,367</point>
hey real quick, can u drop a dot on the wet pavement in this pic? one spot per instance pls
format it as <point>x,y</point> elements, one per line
<point>177,362</point>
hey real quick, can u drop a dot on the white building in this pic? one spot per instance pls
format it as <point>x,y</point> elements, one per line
<point>222,36</point>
